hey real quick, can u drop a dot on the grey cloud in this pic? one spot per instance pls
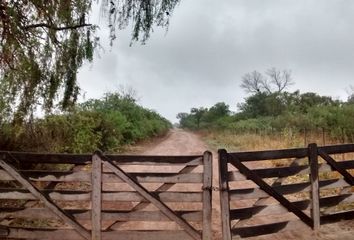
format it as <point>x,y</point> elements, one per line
<point>211,44</point>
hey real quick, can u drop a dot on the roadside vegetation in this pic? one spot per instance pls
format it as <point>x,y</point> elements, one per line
<point>108,124</point>
<point>271,117</point>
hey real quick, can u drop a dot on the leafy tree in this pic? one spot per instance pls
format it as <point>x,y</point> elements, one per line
<point>218,116</point>
<point>198,113</point>
<point>255,105</point>
<point>310,99</point>
<point>218,111</point>
<point>44,43</point>
<point>184,120</point>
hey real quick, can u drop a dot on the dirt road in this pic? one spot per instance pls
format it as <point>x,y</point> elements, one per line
<point>180,142</point>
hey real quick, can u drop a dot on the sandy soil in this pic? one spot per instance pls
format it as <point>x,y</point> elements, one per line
<point>180,142</point>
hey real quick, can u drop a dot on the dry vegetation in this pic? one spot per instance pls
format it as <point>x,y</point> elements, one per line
<point>255,142</point>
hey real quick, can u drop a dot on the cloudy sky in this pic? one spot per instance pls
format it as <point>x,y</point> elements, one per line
<point>211,44</point>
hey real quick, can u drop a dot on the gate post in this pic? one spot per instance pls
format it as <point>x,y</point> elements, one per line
<point>96,197</point>
<point>315,193</point>
<point>207,185</point>
<point>224,194</point>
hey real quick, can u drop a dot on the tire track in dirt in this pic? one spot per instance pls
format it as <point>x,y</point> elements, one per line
<point>181,142</point>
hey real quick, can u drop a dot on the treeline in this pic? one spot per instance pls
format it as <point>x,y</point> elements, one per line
<point>107,124</point>
<point>268,112</point>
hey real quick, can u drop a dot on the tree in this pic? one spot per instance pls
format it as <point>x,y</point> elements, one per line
<point>44,43</point>
<point>187,120</point>
<point>253,82</point>
<point>262,104</point>
<point>219,110</point>
<point>198,113</point>
<point>277,81</point>
<point>351,95</point>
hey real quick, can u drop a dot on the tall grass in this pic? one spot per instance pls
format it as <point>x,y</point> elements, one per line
<point>258,141</point>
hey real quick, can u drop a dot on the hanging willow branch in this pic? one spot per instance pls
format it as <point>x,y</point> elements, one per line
<point>43,44</point>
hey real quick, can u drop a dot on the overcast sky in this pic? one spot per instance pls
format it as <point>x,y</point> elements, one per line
<point>211,44</point>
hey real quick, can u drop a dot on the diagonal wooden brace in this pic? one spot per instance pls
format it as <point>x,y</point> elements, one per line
<point>148,196</point>
<point>47,201</point>
<point>347,176</point>
<point>269,190</point>
<point>163,187</point>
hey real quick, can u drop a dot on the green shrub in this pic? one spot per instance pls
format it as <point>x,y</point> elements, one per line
<point>107,124</point>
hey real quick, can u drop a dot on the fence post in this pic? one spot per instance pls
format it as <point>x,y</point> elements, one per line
<point>315,193</point>
<point>96,185</point>
<point>207,185</point>
<point>224,195</point>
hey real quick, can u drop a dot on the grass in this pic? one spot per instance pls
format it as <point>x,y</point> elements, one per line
<point>255,142</point>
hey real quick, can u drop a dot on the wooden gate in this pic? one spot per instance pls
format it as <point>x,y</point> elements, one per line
<point>267,192</point>
<point>63,196</point>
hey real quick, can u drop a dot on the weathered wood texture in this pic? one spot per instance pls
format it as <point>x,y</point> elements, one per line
<point>89,200</point>
<point>67,234</point>
<point>44,199</point>
<point>96,197</point>
<point>207,196</point>
<point>271,192</point>
<point>151,198</point>
<point>224,195</point>
<point>290,191</point>
<point>84,159</point>
<point>315,191</point>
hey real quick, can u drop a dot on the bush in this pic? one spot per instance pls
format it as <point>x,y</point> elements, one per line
<point>107,124</point>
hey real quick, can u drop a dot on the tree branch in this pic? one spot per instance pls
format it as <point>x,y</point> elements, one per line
<point>45,25</point>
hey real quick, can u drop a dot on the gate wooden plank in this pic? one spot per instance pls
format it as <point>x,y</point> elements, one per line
<point>288,171</point>
<point>85,215</point>
<point>83,159</point>
<point>43,234</point>
<point>347,176</point>
<point>158,177</point>
<point>146,194</point>
<point>224,195</point>
<point>156,160</point>
<point>47,202</point>
<point>336,149</point>
<point>67,234</point>
<point>270,154</point>
<point>269,190</point>
<point>96,197</point>
<point>164,187</point>
<point>70,176</point>
<point>4,231</point>
<point>128,196</point>
<point>207,185</point>
<point>315,191</point>
<point>251,193</point>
